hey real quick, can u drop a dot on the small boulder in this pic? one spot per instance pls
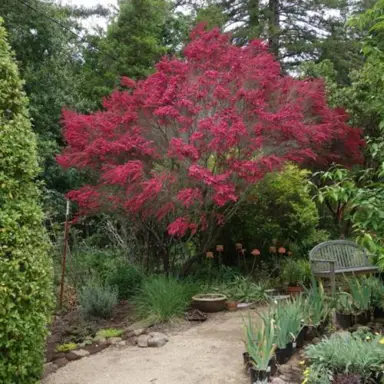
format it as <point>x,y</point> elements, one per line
<point>72,356</point>
<point>142,341</point>
<point>61,362</point>
<point>157,339</point>
<point>316,340</point>
<point>80,352</point>
<point>114,340</point>
<point>138,332</point>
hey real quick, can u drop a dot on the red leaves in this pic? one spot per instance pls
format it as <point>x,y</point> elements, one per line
<point>193,136</point>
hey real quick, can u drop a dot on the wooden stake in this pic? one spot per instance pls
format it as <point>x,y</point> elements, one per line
<point>64,261</point>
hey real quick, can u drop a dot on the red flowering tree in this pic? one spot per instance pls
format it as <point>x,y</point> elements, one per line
<point>182,147</point>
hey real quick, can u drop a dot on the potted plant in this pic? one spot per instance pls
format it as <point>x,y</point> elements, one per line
<point>260,349</point>
<point>231,303</point>
<point>284,337</point>
<point>295,273</point>
<point>316,312</point>
<point>377,296</point>
<point>344,310</point>
<point>361,293</point>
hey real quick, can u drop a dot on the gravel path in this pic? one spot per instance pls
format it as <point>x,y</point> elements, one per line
<point>210,353</point>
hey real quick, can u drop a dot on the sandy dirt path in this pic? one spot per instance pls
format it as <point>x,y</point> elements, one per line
<point>209,353</point>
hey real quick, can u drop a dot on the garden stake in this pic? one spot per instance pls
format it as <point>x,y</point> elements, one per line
<point>66,229</point>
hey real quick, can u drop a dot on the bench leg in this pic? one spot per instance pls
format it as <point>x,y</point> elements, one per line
<point>333,279</point>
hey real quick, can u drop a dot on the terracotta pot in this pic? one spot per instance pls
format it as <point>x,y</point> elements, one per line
<point>231,305</point>
<point>294,290</point>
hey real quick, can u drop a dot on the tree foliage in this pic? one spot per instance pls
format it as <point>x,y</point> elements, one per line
<point>25,270</point>
<point>187,143</point>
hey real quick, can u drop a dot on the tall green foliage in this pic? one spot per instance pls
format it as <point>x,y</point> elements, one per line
<point>279,207</point>
<point>25,269</point>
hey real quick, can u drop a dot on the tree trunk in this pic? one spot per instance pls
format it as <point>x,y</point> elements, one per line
<point>273,26</point>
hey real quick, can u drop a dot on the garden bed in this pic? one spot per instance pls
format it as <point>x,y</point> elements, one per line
<point>72,328</point>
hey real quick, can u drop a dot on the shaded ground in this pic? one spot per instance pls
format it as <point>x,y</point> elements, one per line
<point>210,353</point>
<point>71,326</point>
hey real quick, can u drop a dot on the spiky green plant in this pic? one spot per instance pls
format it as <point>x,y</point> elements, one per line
<point>259,342</point>
<point>361,294</point>
<point>317,308</point>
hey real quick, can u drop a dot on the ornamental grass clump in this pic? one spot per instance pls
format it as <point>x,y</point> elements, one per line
<point>361,294</point>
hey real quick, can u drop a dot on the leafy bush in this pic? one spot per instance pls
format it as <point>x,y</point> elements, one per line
<point>25,268</point>
<point>296,272</point>
<point>98,300</point>
<point>163,298</point>
<point>346,354</point>
<point>127,278</point>
<point>66,347</point>
<point>108,332</point>
<point>279,207</point>
<point>240,288</point>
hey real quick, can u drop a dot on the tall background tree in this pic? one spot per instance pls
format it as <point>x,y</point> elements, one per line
<point>25,267</point>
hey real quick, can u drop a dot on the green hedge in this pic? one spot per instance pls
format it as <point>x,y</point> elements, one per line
<point>25,268</point>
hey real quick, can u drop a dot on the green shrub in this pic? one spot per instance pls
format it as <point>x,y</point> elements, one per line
<point>66,347</point>
<point>25,268</point>
<point>296,272</point>
<point>98,300</point>
<point>279,207</point>
<point>127,278</point>
<point>163,298</point>
<point>342,353</point>
<point>108,332</point>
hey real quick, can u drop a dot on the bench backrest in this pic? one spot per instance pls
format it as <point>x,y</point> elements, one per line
<point>346,254</point>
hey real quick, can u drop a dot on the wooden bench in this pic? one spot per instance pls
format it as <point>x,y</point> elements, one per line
<point>338,257</point>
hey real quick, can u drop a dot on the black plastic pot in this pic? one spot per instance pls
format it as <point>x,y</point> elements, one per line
<point>284,354</point>
<point>362,318</point>
<point>322,327</point>
<point>247,362</point>
<point>378,312</point>
<point>310,333</point>
<point>259,375</point>
<point>273,366</point>
<point>344,321</point>
<point>301,337</point>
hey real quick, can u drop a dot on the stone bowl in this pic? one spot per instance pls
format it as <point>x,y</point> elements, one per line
<point>209,302</point>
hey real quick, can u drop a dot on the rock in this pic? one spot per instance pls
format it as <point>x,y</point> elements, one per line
<point>58,355</point>
<point>156,339</point>
<point>138,332</point>
<point>142,341</point>
<point>80,352</point>
<point>114,340</point>
<point>122,343</point>
<point>61,362</point>
<point>278,380</point>
<point>316,340</point>
<point>49,368</point>
<point>72,356</point>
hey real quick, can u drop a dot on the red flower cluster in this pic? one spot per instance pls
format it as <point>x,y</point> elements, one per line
<point>193,136</point>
